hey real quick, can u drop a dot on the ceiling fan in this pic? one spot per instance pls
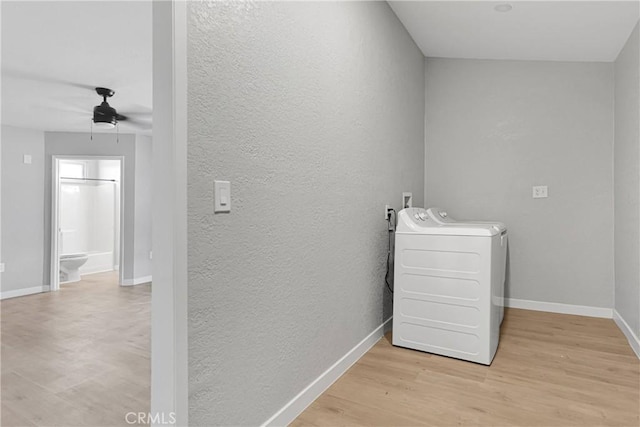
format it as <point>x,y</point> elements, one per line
<point>104,115</point>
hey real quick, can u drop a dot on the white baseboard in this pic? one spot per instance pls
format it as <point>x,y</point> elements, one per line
<point>554,307</point>
<point>108,270</point>
<point>299,403</point>
<point>137,281</point>
<point>23,292</point>
<point>387,325</point>
<point>96,270</point>
<point>634,341</point>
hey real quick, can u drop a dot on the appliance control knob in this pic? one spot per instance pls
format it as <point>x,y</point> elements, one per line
<point>423,216</point>
<point>443,214</point>
<point>416,216</point>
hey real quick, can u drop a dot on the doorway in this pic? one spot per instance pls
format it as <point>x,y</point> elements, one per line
<point>87,217</point>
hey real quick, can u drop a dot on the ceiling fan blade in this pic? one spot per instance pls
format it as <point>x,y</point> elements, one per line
<point>62,109</point>
<point>138,114</point>
<point>42,79</point>
<point>143,124</point>
<point>141,109</point>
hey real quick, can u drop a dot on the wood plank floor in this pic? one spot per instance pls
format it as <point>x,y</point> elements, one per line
<point>550,370</point>
<point>78,357</point>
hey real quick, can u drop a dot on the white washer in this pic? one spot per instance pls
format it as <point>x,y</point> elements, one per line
<point>448,286</point>
<point>441,217</point>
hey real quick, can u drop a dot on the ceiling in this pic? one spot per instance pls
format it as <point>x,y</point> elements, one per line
<point>592,31</point>
<point>54,53</point>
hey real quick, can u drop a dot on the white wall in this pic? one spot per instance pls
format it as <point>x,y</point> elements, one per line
<point>314,112</point>
<point>22,209</point>
<point>494,129</point>
<point>627,183</point>
<point>110,169</point>
<point>142,226</point>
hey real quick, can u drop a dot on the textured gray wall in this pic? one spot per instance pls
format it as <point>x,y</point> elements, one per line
<point>627,183</point>
<point>103,144</point>
<point>315,113</point>
<point>22,208</point>
<point>494,129</point>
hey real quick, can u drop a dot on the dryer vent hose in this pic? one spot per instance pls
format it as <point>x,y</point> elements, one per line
<point>392,221</point>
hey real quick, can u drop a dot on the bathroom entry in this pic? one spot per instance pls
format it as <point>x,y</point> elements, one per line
<point>87,218</point>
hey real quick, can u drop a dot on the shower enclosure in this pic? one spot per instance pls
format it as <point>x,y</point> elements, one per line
<point>87,214</point>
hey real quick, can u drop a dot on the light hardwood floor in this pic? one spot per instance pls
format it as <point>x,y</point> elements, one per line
<point>78,357</point>
<point>550,370</point>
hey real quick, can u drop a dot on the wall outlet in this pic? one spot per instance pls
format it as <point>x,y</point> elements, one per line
<point>386,211</point>
<point>2,267</point>
<point>27,159</point>
<point>150,254</point>
<point>540,192</point>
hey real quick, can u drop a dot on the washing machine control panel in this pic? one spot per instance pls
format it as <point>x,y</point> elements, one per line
<point>414,219</point>
<point>440,216</point>
<point>420,215</point>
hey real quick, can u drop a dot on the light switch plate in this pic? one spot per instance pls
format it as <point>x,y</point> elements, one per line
<point>27,159</point>
<point>222,196</point>
<point>2,267</point>
<point>540,192</point>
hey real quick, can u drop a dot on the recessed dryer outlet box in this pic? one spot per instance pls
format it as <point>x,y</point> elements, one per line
<point>407,200</point>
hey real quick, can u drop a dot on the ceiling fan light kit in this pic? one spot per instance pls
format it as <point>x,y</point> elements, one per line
<point>104,125</point>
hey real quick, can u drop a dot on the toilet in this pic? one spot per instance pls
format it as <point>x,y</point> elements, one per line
<point>69,267</point>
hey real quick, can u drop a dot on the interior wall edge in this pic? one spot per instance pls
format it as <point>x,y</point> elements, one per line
<point>633,339</point>
<point>627,182</point>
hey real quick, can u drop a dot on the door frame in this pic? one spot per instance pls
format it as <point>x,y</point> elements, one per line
<point>169,345</point>
<point>55,215</point>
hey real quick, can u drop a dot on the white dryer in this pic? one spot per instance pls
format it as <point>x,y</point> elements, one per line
<point>448,286</point>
